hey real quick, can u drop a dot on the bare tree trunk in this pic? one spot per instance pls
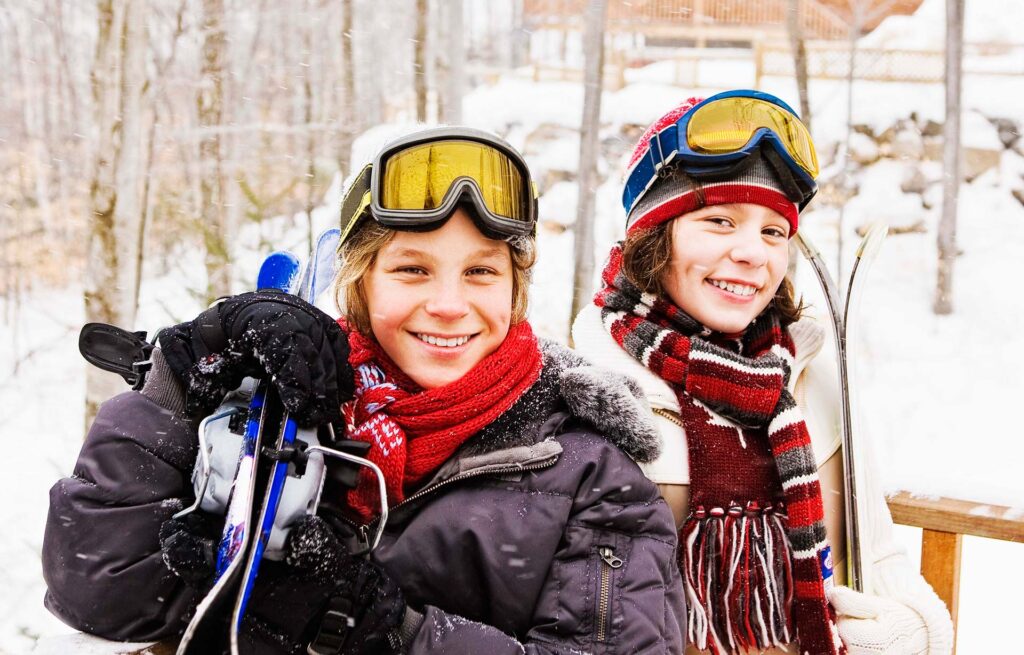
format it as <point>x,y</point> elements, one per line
<point>854,35</point>
<point>950,157</point>
<point>210,103</point>
<point>420,59</point>
<point>520,37</point>
<point>349,128</point>
<point>583,245</point>
<point>307,93</point>
<point>799,47</point>
<point>119,80</point>
<point>451,62</point>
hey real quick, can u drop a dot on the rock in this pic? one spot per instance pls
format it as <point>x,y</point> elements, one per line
<point>1008,131</point>
<point>977,161</point>
<point>863,149</point>
<point>827,153</point>
<point>866,130</point>
<point>932,147</point>
<point>914,180</point>
<point>907,143</point>
<point>1019,195</point>
<point>931,128</point>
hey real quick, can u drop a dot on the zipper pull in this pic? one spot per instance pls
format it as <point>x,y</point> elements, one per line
<point>608,557</point>
<point>363,540</point>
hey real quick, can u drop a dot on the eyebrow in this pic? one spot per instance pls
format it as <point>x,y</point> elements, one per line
<point>483,253</point>
<point>495,251</point>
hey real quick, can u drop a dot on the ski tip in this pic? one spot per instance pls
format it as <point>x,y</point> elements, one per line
<point>278,271</point>
<point>328,237</point>
<point>806,247</point>
<point>873,238</point>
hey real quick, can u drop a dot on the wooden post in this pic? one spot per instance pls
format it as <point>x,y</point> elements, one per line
<point>940,566</point>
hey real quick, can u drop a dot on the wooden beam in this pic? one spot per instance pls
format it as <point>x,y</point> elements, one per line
<point>957,516</point>
<point>940,566</point>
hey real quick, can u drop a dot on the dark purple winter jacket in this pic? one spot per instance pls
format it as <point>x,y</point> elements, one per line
<point>512,547</point>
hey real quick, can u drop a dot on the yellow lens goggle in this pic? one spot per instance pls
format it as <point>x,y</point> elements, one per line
<point>423,177</point>
<point>416,182</point>
<point>729,124</point>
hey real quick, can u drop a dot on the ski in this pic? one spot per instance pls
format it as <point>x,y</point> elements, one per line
<point>316,277</point>
<point>278,271</point>
<point>841,317</point>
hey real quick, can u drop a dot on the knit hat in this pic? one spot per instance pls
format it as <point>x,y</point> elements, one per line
<point>674,193</point>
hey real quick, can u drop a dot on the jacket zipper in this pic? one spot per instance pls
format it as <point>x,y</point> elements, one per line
<point>609,561</point>
<point>364,529</point>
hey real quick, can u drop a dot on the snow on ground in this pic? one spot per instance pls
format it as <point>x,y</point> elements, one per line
<point>938,392</point>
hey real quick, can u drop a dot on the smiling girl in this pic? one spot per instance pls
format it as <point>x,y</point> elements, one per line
<point>696,306</point>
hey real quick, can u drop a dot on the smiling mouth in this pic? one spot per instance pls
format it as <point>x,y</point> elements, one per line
<point>733,287</point>
<point>443,342</point>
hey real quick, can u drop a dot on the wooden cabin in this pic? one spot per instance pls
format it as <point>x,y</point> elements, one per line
<point>726,22</point>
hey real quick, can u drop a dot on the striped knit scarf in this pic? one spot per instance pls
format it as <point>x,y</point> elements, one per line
<point>412,431</point>
<point>754,554</point>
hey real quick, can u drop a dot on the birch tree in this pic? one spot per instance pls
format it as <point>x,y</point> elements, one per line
<point>950,157</point>
<point>419,71</point>
<point>115,191</point>
<point>451,55</point>
<point>583,244</point>
<point>210,107</point>
<point>349,127</point>
<point>799,47</point>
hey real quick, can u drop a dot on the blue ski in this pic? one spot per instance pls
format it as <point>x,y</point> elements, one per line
<point>316,277</point>
<point>278,271</point>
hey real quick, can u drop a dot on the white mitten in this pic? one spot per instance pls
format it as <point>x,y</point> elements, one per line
<point>872,625</point>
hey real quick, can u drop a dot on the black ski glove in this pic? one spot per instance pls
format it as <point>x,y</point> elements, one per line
<point>263,334</point>
<point>189,546</point>
<point>324,595</point>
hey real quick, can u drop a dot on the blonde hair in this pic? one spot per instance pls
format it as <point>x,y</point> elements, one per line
<point>358,254</point>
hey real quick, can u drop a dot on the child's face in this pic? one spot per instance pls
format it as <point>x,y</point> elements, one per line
<point>727,263</point>
<point>440,301</point>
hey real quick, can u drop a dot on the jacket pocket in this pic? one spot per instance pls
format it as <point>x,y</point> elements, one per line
<point>609,564</point>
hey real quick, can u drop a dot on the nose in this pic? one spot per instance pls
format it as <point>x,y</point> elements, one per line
<point>448,301</point>
<point>749,248</point>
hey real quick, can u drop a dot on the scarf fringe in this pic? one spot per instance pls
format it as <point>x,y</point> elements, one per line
<point>738,578</point>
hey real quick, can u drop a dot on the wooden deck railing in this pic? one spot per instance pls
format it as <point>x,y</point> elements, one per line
<point>945,521</point>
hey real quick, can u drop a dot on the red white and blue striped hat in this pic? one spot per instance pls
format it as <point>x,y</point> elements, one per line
<point>673,195</point>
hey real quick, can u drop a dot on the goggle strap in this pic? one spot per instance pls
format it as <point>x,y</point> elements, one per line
<point>364,203</point>
<point>355,202</point>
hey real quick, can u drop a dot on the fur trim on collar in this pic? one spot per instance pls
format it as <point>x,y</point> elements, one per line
<point>610,402</point>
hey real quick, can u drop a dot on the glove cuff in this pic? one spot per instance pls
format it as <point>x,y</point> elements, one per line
<point>410,626</point>
<point>162,386</point>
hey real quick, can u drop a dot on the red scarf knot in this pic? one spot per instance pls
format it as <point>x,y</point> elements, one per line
<point>413,431</point>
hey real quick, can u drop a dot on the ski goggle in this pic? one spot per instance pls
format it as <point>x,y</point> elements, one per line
<point>718,135</point>
<point>416,182</point>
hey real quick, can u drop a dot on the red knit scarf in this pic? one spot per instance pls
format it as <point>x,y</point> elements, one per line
<point>754,554</point>
<point>412,431</point>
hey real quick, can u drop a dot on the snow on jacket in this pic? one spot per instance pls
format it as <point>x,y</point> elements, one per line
<point>502,550</point>
<point>813,384</point>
